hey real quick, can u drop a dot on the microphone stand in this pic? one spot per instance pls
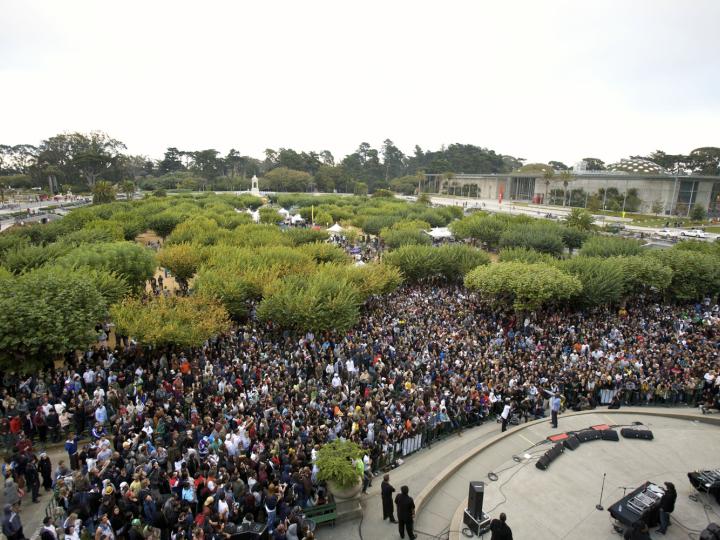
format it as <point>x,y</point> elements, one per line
<point>599,505</point>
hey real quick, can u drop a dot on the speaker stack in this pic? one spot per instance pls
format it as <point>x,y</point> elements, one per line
<point>548,457</point>
<point>610,435</point>
<point>587,435</point>
<point>571,443</point>
<point>474,518</point>
<point>635,433</point>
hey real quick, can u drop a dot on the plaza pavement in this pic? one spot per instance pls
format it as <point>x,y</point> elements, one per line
<point>553,504</point>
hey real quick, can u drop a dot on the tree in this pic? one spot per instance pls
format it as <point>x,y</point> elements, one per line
<point>543,237</point>
<point>94,154</point>
<point>481,227</point>
<point>103,192</point>
<point>318,302</point>
<point>525,286</point>
<point>594,164</point>
<point>128,188</point>
<point>603,280</point>
<point>526,255</point>
<point>706,160</point>
<point>580,219</point>
<point>393,160</point>
<point>558,165</point>
<point>171,162</point>
<point>566,177</point>
<point>111,286</point>
<point>323,252</point>
<point>270,215</point>
<point>394,238</point>
<point>456,260</point>
<point>695,274</point>
<point>132,261</point>
<point>199,230</point>
<point>644,273</point>
<point>373,278</point>
<point>607,246</point>
<point>360,188</point>
<point>284,179</point>
<point>548,175</point>
<point>185,321</point>
<point>306,236</point>
<point>698,213</point>
<point>164,223</point>
<point>183,260</point>
<point>573,238</point>
<point>46,313</point>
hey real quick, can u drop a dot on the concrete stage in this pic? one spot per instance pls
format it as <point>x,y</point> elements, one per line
<point>560,502</point>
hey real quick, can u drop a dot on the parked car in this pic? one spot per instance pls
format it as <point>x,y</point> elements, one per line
<point>694,233</point>
<point>667,233</point>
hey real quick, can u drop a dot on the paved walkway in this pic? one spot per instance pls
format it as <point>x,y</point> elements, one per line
<point>418,470</point>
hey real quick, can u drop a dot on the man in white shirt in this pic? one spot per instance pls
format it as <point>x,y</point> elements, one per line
<point>505,415</point>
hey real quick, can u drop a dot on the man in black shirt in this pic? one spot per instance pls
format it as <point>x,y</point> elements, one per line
<point>406,512</point>
<point>387,503</point>
<point>499,529</point>
<point>667,505</point>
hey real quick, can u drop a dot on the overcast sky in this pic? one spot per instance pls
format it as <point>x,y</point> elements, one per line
<point>536,79</point>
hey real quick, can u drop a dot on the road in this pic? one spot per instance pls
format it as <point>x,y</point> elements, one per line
<point>540,211</point>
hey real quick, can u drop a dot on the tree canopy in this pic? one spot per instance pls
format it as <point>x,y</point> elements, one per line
<point>46,313</point>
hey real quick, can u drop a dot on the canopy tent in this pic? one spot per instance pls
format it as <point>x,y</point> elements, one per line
<point>438,233</point>
<point>284,213</point>
<point>255,215</point>
<point>297,218</point>
<point>335,228</point>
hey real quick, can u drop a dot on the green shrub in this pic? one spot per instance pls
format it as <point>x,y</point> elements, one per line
<point>607,246</point>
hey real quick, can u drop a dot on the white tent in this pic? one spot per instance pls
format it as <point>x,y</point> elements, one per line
<point>438,233</point>
<point>297,218</point>
<point>284,212</point>
<point>335,229</point>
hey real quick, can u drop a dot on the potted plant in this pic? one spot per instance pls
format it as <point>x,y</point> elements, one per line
<point>336,462</point>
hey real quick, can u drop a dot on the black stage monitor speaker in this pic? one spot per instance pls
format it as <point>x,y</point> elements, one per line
<point>571,443</point>
<point>610,435</point>
<point>587,435</point>
<point>479,525</point>
<point>475,498</point>
<point>548,457</point>
<point>633,433</point>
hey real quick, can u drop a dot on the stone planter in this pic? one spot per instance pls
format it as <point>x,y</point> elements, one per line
<point>344,494</point>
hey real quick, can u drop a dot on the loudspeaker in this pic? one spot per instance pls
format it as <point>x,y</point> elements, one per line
<point>633,433</point>
<point>587,435</point>
<point>571,443</point>
<point>610,435</point>
<point>479,525</point>
<point>711,532</point>
<point>548,457</point>
<point>475,498</point>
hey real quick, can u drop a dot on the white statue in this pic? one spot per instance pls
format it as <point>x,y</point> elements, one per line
<point>254,189</point>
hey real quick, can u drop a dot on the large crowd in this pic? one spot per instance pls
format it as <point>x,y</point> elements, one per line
<point>191,443</point>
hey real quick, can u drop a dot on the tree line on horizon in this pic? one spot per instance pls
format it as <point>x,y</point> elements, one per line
<point>78,161</point>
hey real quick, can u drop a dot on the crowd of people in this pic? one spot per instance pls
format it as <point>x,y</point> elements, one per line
<point>192,443</point>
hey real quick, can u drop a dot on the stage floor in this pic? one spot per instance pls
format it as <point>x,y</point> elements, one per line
<point>560,502</point>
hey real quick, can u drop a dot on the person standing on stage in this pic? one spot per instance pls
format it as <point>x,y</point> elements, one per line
<point>386,491</point>
<point>505,414</point>
<point>500,529</point>
<point>555,404</point>
<point>667,505</point>
<point>406,512</point>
